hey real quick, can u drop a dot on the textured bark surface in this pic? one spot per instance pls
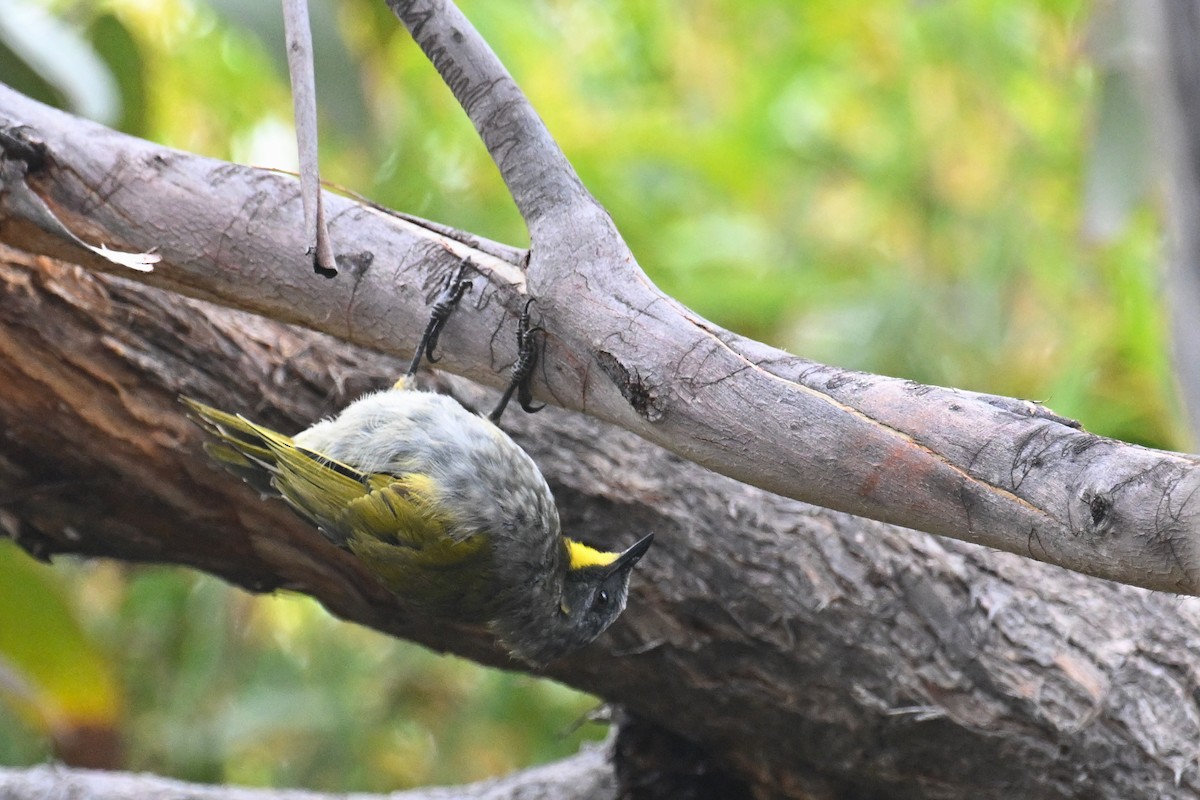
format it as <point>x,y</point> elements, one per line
<point>811,653</point>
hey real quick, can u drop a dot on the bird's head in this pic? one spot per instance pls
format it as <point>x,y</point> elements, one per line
<point>594,593</point>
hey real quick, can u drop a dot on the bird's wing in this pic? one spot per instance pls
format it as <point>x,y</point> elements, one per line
<point>348,505</point>
<point>411,547</point>
<point>392,524</point>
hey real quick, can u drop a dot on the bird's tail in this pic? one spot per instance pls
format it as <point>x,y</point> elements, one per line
<point>317,487</point>
<point>240,446</point>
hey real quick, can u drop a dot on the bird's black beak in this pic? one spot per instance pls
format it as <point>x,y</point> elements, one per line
<point>627,559</point>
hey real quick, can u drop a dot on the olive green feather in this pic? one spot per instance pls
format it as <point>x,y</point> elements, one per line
<point>388,521</point>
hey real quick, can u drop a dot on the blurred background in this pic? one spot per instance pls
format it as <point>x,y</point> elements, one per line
<point>957,191</point>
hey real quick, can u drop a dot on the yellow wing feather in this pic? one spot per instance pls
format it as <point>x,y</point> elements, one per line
<point>391,522</point>
<point>350,506</point>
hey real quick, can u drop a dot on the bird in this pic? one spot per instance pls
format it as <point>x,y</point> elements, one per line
<point>440,504</point>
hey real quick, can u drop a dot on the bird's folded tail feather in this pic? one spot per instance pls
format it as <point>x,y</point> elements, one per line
<point>239,445</point>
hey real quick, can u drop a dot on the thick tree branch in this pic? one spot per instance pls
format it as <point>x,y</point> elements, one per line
<point>815,654</point>
<point>939,460</point>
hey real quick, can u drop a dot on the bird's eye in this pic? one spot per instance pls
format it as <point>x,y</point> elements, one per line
<point>601,599</point>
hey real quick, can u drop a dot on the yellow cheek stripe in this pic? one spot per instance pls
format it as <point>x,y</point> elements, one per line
<point>583,556</point>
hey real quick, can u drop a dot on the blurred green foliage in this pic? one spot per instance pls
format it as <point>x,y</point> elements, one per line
<point>220,686</point>
<point>54,690</point>
<point>893,185</point>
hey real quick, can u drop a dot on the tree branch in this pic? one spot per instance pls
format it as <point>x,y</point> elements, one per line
<point>586,776</point>
<point>938,460</point>
<point>538,176</point>
<point>304,104</point>
<point>1169,31</point>
<point>812,653</point>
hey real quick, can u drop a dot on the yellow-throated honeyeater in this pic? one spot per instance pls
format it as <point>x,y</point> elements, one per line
<point>441,505</point>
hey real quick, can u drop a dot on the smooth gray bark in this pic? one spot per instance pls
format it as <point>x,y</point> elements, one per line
<point>587,776</point>
<point>304,104</point>
<point>1171,28</point>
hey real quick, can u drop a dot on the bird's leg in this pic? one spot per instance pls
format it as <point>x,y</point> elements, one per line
<point>453,288</point>
<point>522,371</point>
